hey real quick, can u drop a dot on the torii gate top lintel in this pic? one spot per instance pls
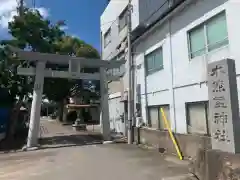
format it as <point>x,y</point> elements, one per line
<point>65,59</point>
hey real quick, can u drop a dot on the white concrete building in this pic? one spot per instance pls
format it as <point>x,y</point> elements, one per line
<point>112,36</point>
<point>171,58</point>
<point>172,43</point>
<point>114,44</point>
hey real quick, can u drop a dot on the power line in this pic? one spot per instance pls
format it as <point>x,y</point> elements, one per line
<point>106,23</point>
<point>145,20</point>
<point>21,8</point>
<point>117,17</point>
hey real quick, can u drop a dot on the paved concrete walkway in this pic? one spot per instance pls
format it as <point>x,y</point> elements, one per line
<point>88,162</point>
<point>55,135</point>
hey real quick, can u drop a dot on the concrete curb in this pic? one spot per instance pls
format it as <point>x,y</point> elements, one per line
<point>188,176</point>
<point>25,148</point>
<point>108,142</point>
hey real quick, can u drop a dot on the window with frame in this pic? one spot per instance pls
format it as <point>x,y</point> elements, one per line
<point>112,71</point>
<point>154,61</point>
<point>208,36</point>
<point>123,19</point>
<point>119,71</point>
<point>155,118</point>
<point>107,37</point>
<point>197,118</point>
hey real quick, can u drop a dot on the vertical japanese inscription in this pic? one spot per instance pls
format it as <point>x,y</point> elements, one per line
<point>220,118</point>
<point>220,87</point>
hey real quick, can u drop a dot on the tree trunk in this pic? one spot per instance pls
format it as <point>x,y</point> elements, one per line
<point>9,142</point>
<point>65,113</point>
<point>61,111</point>
<point>14,118</point>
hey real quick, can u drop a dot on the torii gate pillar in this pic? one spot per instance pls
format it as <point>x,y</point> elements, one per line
<point>104,115</point>
<point>33,132</point>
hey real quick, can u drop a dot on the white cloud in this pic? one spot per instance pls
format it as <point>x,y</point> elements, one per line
<point>7,18</point>
<point>63,28</point>
<point>74,36</point>
<point>8,10</point>
<point>7,6</point>
<point>43,11</point>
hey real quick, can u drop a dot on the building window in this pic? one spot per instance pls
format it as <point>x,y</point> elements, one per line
<point>166,109</point>
<point>112,71</point>
<point>154,61</point>
<point>123,19</point>
<point>155,118</point>
<point>107,37</point>
<point>208,36</point>
<point>119,71</point>
<point>197,118</point>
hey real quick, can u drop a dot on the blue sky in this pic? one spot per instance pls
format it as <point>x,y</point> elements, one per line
<point>82,16</point>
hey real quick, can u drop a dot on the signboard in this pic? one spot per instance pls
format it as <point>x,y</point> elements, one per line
<point>223,106</point>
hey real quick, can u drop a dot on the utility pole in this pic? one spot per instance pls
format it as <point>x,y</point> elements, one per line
<point>34,3</point>
<point>130,79</point>
<point>21,8</point>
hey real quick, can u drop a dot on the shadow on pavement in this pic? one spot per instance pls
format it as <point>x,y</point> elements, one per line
<point>70,140</point>
<point>9,145</point>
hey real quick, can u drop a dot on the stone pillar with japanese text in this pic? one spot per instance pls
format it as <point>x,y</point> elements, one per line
<point>223,106</point>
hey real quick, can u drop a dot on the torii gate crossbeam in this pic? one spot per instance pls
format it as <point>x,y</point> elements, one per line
<point>40,72</point>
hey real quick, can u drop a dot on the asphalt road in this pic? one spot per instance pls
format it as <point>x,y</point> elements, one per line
<point>78,157</point>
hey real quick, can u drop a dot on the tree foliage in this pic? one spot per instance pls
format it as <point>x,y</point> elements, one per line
<point>32,32</point>
<point>18,86</point>
<point>73,47</point>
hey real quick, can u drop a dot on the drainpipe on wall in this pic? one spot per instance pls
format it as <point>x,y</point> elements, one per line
<point>172,77</point>
<point>101,56</point>
<point>146,95</point>
<point>134,80</point>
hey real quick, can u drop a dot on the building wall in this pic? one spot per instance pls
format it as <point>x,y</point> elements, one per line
<point>95,113</point>
<point>114,87</point>
<point>150,10</point>
<point>142,12</point>
<point>109,19</point>
<point>183,79</point>
<point>116,109</point>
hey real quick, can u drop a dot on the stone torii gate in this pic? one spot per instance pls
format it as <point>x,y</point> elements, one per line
<point>75,64</point>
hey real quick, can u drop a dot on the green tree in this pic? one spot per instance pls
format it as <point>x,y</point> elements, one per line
<point>34,33</point>
<point>17,86</point>
<point>73,47</point>
<point>31,32</point>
